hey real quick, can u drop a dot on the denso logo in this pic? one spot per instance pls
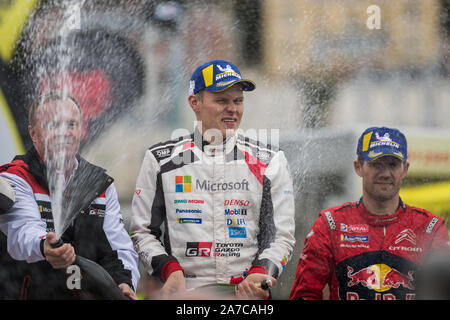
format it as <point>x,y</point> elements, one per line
<point>236,202</point>
<point>198,249</point>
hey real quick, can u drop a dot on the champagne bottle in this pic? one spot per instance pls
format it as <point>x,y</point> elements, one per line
<point>96,282</point>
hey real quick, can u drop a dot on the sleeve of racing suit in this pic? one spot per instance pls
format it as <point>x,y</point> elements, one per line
<point>148,214</point>
<point>440,242</point>
<point>22,223</point>
<point>277,219</point>
<point>119,257</point>
<point>315,266</point>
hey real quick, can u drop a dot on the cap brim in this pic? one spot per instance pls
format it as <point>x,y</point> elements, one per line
<point>247,85</point>
<point>382,155</point>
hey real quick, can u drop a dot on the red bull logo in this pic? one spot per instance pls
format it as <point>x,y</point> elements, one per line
<point>367,277</point>
<point>380,278</point>
<point>395,279</point>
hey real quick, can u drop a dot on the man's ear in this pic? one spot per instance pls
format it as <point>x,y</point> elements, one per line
<point>405,169</point>
<point>194,102</point>
<point>358,167</point>
<point>32,133</point>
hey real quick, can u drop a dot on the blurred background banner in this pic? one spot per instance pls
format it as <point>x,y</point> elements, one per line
<point>324,71</point>
<point>13,15</point>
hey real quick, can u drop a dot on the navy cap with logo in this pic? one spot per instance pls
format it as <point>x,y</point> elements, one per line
<point>216,76</point>
<point>376,142</point>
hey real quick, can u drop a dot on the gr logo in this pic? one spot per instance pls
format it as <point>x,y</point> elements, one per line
<point>198,249</point>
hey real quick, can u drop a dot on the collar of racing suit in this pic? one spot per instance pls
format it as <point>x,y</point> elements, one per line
<point>37,166</point>
<point>211,149</point>
<point>86,184</point>
<point>380,220</point>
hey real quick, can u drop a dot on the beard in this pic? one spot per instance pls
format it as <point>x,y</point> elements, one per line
<point>382,193</point>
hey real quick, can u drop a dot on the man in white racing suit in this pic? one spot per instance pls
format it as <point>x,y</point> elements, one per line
<point>225,201</point>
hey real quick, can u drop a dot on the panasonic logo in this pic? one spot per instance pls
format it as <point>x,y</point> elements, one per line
<point>188,211</point>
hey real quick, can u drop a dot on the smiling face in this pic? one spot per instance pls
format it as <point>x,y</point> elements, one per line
<point>382,178</point>
<point>219,110</point>
<point>56,130</point>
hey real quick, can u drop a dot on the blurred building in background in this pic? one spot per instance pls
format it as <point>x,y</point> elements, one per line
<point>324,71</point>
<point>349,74</point>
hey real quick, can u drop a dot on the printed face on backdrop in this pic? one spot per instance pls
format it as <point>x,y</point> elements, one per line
<point>91,88</point>
<point>56,130</point>
<point>221,111</point>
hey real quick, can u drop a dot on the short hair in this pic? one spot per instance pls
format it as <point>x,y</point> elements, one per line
<point>46,97</point>
<point>360,158</point>
<point>200,94</point>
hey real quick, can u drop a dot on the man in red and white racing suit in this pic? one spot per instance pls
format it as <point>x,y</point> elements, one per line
<point>227,207</point>
<point>373,248</point>
<point>30,267</point>
<point>365,256</point>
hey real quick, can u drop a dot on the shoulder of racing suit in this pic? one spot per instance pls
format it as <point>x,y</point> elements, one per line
<point>420,211</point>
<point>341,208</point>
<point>263,152</point>
<point>17,167</point>
<point>431,220</point>
<point>21,169</point>
<point>332,213</point>
<point>250,148</point>
<point>337,213</point>
<point>164,150</point>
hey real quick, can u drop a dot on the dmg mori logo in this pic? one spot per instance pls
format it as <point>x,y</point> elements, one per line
<point>198,249</point>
